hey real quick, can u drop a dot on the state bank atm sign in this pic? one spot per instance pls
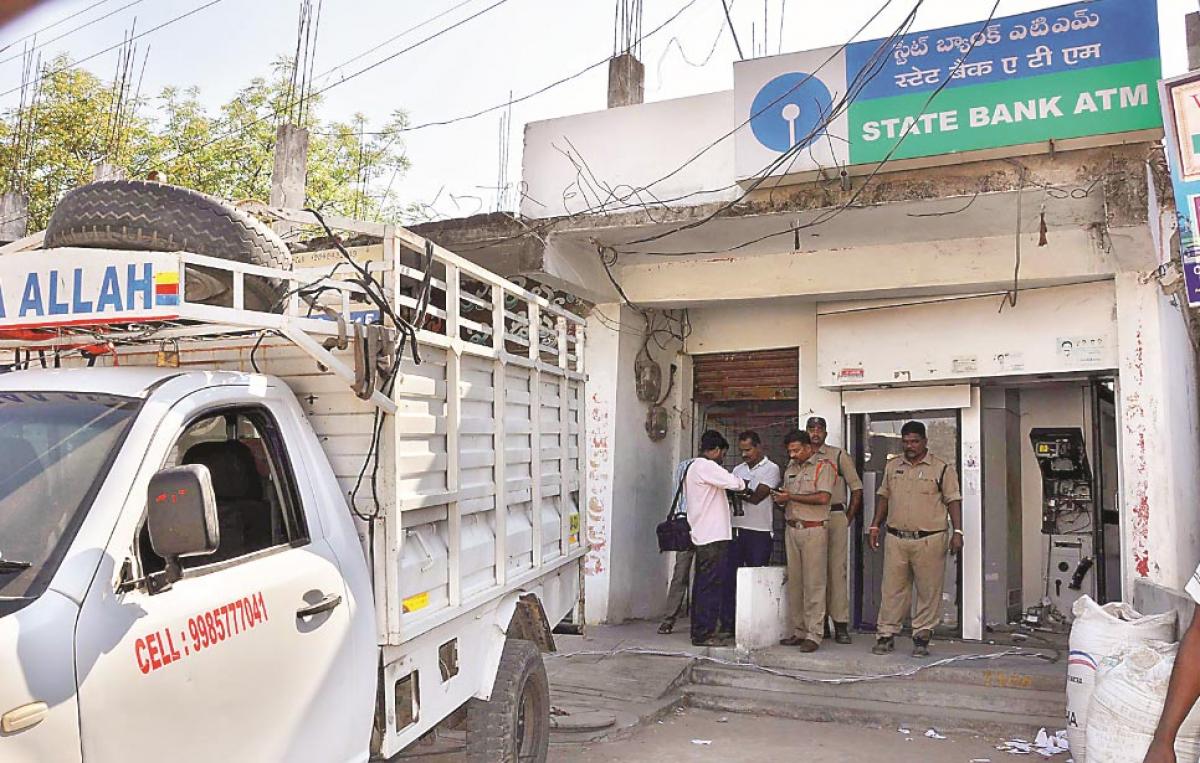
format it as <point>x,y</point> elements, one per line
<point>1072,71</point>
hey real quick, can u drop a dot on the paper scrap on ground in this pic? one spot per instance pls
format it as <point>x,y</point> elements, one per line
<point>933,734</point>
<point>704,742</point>
<point>903,730</point>
<point>1044,744</point>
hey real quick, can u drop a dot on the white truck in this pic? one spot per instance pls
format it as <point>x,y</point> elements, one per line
<point>238,522</point>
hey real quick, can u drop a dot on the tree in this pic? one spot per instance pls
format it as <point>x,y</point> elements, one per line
<point>67,133</point>
<point>229,154</point>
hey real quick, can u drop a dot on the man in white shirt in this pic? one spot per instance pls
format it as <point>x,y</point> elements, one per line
<point>710,515</point>
<point>1184,688</point>
<point>751,545</point>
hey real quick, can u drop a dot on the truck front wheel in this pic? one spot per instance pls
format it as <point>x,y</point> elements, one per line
<point>514,725</point>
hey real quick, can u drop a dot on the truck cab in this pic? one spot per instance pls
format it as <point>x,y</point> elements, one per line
<point>311,517</point>
<point>273,631</point>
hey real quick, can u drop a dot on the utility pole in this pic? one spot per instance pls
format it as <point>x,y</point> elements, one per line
<point>289,176</point>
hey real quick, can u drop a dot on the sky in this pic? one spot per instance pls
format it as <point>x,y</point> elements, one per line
<point>486,50</point>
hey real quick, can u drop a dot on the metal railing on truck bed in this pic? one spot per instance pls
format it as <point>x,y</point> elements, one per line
<point>479,471</point>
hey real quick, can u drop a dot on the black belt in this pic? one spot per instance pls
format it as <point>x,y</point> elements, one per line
<point>913,534</point>
<point>838,507</point>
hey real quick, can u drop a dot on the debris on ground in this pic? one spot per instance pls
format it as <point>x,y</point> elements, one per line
<point>933,734</point>
<point>702,742</point>
<point>1045,744</point>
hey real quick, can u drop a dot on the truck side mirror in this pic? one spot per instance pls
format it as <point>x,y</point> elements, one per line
<point>181,517</point>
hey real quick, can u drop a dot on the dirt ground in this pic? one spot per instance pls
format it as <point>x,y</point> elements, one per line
<point>748,739</point>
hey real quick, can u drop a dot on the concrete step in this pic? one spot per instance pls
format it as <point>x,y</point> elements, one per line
<point>902,691</point>
<point>1007,672</point>
<point>997,723</point>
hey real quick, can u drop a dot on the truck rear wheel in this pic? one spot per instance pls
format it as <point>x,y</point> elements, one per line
<point>514,725</point>
<point>146,216</point>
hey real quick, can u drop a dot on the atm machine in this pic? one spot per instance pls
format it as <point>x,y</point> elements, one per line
<point>1068,515</point>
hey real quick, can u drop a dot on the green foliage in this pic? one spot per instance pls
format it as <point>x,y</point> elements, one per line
<point>228,154</point>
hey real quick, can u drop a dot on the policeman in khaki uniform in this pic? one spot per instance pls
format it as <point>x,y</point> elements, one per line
<point>807,489</point>
<point>841,516</point>
<point>918,492</point>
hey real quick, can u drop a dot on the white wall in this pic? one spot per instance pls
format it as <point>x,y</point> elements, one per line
<point>1160,451</point>
<point>768,325</point>
<point>574,163</point>
<point>628,475</point>
<point>969,338</point>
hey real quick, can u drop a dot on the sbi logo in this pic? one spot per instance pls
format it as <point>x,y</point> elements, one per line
<point>789,110</point>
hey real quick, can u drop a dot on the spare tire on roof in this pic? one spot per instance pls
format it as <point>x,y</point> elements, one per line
<point>147,216</point>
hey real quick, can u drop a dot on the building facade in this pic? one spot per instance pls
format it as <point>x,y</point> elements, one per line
<point>1014,291</point>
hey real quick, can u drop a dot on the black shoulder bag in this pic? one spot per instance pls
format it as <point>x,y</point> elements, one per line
<point>675,534</point>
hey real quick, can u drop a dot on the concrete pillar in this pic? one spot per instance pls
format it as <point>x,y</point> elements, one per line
<point>626,81</point>
<point>14,216</point>
<point>1001,461</point>
<point>629,477</point>
<point>1192,29</point>
<point>289,178</point>
<point>600,391</point>
<point>1159,452</point>
<point>971,478</point>
<point>815,400</point>
<point>107,171</point>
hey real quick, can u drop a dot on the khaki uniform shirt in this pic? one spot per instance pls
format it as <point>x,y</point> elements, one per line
<point>914,501</point>
<point>816,475</point>
<point>847,475</point>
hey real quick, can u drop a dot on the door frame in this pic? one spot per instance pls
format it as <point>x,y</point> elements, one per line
<point>966,398</point>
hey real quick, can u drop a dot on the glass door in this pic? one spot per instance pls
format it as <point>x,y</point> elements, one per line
<point>875,440</point>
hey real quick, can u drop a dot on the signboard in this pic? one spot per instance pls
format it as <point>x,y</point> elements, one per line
<point>1067,72</point>
<point>86,287</point>
<point>1181,113</point>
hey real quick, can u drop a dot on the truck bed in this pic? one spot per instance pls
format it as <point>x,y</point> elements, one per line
<point>475,476</point>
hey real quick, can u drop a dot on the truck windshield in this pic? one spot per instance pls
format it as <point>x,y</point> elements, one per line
<point>55,449</point>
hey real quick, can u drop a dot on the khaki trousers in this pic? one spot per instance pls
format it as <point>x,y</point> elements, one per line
<point>905,563</point>
<point>807,562</point>
<point>837,601</point>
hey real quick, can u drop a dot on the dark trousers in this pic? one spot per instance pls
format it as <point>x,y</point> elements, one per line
<point>749,548</point>
<point>708,589</point>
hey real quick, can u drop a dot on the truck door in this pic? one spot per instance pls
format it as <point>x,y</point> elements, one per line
<point>248,656</point>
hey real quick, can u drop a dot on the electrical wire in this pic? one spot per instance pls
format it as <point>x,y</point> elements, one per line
<point>828,214</point>
<point>51,73</point>
<point>390,40</point>
<point>85,25</point>
<point>871,70</point>
<point>370,67</point>
<point>51,25</point>
<point>732,31</point>
<point>545,88</point>
<point>808,679</point>
<point>542,228</point>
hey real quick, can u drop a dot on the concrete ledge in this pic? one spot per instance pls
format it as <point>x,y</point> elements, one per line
<point>1152,599</point>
